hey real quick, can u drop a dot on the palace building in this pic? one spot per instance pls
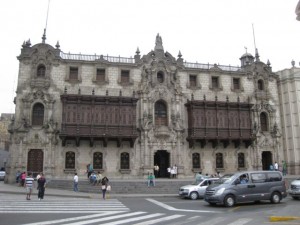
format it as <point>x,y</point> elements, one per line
<point>125,115</point>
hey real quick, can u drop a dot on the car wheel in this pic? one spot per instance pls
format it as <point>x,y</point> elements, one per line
<point>275,198</point>
<point>294,197</point>
<point>229,201</point>
<point>194,195</point>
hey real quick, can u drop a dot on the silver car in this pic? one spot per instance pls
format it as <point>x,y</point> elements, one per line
<point>294,191</point>
<point>2,175</point>
<point>197,189</point>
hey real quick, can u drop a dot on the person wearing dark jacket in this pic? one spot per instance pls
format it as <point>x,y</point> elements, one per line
<point>104,183</point>
<point>41,186</point>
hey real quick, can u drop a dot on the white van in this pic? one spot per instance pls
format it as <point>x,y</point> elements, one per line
<point>249,186</point>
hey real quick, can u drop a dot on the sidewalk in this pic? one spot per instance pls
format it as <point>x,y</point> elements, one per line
<point>14,189</point>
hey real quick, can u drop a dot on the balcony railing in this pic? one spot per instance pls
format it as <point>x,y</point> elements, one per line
<point>80,57</point>
<point>118,59</point>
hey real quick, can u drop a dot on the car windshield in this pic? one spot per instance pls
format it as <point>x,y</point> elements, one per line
<point>225,179</point>
<point>197,182</point>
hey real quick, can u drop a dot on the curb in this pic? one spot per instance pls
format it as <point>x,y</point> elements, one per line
<point>283,218</point>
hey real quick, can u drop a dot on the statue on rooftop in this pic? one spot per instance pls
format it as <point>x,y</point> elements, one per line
<point>297,11</point>
<point>158,43</point>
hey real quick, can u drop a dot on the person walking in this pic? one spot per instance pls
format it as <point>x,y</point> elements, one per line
<point>175,171</point>
<point>169,172</point>
<point>29,184</point>
<point>284,168</point>
<point>75,183</point>
<point>23,177</point>
<point>156,170</point>
<point>151,180</point>
<point>276,167</point>
<point>104,183</point>
<point>41,186</point>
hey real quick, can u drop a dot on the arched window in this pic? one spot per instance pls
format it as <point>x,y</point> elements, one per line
<point>260,85</point>
<point>161,114</point>
<point>41,71</point>
<point>160,77</point>
<point>125,161</point>
<point>219,161</point>
<point>241,160</point>
<point>38,114</point>
<point>263,122</point>
<point>98,160</point>
<point>196,161</point>
<point>70,160</point>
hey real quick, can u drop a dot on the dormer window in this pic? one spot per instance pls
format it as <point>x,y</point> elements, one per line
<point>41,71</point>
<point>160,77</point>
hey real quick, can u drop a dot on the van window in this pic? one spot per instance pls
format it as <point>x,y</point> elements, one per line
<point>205,183</point>
<point>258,177</point>
<point>274,177</point>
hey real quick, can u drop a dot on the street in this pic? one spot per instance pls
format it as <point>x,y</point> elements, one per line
<point>16,210</point>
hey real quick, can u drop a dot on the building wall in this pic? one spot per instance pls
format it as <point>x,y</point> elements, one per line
<point>175,91</point>
<point>290,97</point>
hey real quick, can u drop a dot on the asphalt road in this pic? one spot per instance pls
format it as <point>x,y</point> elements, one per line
<point>15,210</point>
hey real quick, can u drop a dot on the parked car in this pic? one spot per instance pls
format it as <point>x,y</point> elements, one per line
<point>2,175</point>
<point>197,189</point>
<point>251,186</point>
<point>294,191</point>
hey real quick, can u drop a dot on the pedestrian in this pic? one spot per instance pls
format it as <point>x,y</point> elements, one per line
<point>104,183</point>
<point>175,171</point>
<point>169,172</point>
<point>98,178</point>
<point>156,170</point>
<point>276,166</point>
<point>271,167</point>
<point>172,172</point>
<point>23,177</point>
<point>41,186</point>
<point>18,176</point>
<point>151,180</point>
<point>284,168</point>
<point>75,185</point>
<point>29,184</point>
<point>198,177</point>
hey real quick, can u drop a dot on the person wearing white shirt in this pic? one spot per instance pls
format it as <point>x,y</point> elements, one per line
<point>75,187</point>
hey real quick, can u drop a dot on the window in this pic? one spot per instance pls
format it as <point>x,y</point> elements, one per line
<point>274,177</point>
<point>258,177</point>
<point>193,81</point>
<point>260,85</point>
<point>241,160</point>
<point>41,71</point>
<point>125,77</point>
<point>38,114</point>
<point>100,75</point>
<point>70,160</point>
<point>125,161</point>
<point>236,84</point>
<point>160,77</point>
<point>263,122</point>
<point>98,160</point>
<point>215,82</point>
<point>219,161</point>
<point>196,161</point>
<point>161,114</point>
<point>73,73</point>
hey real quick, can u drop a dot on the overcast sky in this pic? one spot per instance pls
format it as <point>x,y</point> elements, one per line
<point>205,31</point>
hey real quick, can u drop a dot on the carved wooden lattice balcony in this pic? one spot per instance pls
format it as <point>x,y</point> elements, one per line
<point>104,118</point>
<point>219,122</point>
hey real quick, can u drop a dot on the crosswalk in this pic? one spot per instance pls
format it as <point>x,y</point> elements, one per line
<point>108,212</point>
<point>61,206</point>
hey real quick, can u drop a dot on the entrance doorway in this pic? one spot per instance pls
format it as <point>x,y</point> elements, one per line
<point>35,161</point>
<point>266,160</point>
<point>162,159</point>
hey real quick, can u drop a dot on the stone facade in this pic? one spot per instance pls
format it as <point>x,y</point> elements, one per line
<point>289,83</point>
<point>165,92</point>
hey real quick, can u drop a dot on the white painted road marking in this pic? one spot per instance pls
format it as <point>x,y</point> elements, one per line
<point>163,205</point>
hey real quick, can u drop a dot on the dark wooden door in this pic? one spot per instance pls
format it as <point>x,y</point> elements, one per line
<point>35,161</point>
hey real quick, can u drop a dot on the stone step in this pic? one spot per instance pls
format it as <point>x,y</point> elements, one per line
<point>165,186</point>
